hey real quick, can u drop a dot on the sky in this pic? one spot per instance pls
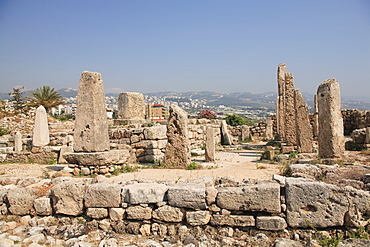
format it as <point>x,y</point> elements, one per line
<point>189,45</point>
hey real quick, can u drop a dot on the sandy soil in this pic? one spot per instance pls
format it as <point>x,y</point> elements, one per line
<point>239,164</point>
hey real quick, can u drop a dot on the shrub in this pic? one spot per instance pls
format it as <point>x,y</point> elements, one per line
<point>4,131</point>
<point>235,120</point>
<point>192,166</point>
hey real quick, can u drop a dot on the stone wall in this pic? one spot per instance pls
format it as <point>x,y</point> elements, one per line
<point>355,119</point>
<point>157,207</point>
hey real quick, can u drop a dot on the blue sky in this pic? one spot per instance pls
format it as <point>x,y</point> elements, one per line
<point>150,46</point>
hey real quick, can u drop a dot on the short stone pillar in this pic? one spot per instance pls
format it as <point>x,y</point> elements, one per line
<point>245,135</point>
<point>304,129</point>
<point>367,137</point>
<point>131,107</point>
<point>178,146</point>
<point>210,145</point>
<point>330,136</point>
<point>269,129</point>
<point>40,136</point>
<point>91,126</point>
<point>225,136</point>
<point>18,144</point>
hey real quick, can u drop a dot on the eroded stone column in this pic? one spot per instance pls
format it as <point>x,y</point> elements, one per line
<point>18,142</point>
<point>225,136</point>
<point>330,136</point>
<point>210,145</point>
<point>280,101</point>
<point>91,126</point>
<point>178,146</point>
<point>41,129</point>
<point>315,118</point>
<point>304,129</point>
<point>290,115</point>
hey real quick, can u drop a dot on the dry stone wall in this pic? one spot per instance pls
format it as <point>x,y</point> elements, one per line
<point>220,202</point>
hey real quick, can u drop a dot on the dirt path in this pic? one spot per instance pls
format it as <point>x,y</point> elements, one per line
<point>239,164</point>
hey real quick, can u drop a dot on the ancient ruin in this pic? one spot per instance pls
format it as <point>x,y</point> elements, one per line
<point>131,108</point>
<point>330,121</point>
<point>303,125</point>
<point>210,145</point>
<point>40,136</point>
<point>178,146</point>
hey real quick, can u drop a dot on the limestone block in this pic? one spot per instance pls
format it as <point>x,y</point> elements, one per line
<point>102,195</point>
<point>271,223</point>
<point>283,242</point>
<point>156,132</point>
<point>351,242</point>
<point>210,145</point>
<point>307,169</point>
<point>168,214</point>
<point>2,157</point>
<point>116,214</point>
<point>186,195</point>
<point>198,218</point>
<point>162,144</point>
<point>21,200</point>
<point>225,136</point>
<point>145,193</point>
<point>131,106</point>
<point>316,203</point>
<point>63,150</point>
<point>18,142</point>
<point>91,126</point>
<point>139,213</point>
<point>232,220</point>
<point>251,198</point>
<point>211,194</point>
<point>146,144</point>
<point>112,157</point>
<point>43,206</point>
<point>67,197</point>
<point>97,213</point>
<point>358,214</point>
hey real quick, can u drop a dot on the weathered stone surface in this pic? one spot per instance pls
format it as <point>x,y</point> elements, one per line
<point>64,149</point>
<point>245,133</point>
<point>102,195</point>
<point>144,193</point>
<point>225,136</point>
<point>43,206</point>
<point>68,197</point>
<point>358,214</point>
<point>139,213</point>
<point>41,129</point>
<point>269,129</point>
<point>280,105</point>
<point>168,214</point>
<point>351,242</point>
<point>116,214</point>
<point>307,169</point>
<point>112,157</point>
<point>210,145</point>
<point>330,136</point>
<point>304,128</point>
<point>290,114</point>
<point>318,204</point>
<point>21,200</point>
<point>97,213</point>
<point>198,218</point>
<point>187,196</point>
<point>271,223</point>
<point>156,132</point>
<point>232,220</point>
<point>178,146</point>
<point>131,106</point>
<point>91,126</point>
<point>18,142</point>
<point>250,198</point>
<point>283,242</point>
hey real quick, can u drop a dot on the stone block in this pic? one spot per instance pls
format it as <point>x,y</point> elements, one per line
<point>198,218</point>
<point>144,193</point>
<point>318,204</point>
<point>168,214</point>
<point>185,195</point>
<point>67,197</point>
<point>251,198</point>
<point>156,132</point>
<point>21,200</point>
<point>97,213</point>
<point>233,220</point>
<point>271,223</point>
<point>102,195</point>
<point>43,206</point>
<point>112,157</point>
<point>139,213</point>
<point>116,214</point>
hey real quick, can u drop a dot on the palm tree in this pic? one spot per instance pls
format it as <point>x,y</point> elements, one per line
<point>46,97</point>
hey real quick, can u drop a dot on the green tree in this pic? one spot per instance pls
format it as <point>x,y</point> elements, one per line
<point>235,120</point>
<point>18,100</point>
<point>46,97</point>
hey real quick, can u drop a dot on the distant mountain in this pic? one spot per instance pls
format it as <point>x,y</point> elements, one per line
<point>68,92</point>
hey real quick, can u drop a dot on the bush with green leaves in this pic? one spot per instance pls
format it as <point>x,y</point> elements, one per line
<point>235,120</point>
